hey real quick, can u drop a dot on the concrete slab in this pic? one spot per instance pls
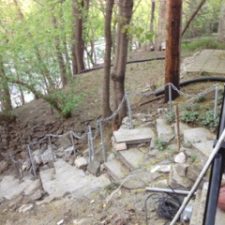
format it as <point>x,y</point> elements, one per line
<point>207,61</point>
<point>11,187</point>
<point>116,170</point>
<point>133,136</point>
<point>164,131</point>
<point>196,135</point>
<point>132,158</point>
<point>205,147</point>
<point>65,178</point>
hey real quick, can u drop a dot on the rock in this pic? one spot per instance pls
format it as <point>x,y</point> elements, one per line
<point>83,221</point>
<point>48,156</point>
<point>12,187</point>
<point>37,195</point>
<point>205,147</point>
<point>193,171</point>
<point>25,208</point>
<point>61,222</point>
<point>180,158</point>
<point>196,135</point>
<point>26,165</point>
<point>81,163</point>
<point>36,184</point>
<point>161,168</point>
<point>3,166</point>
<point>37,156</point>
<point>177,181</point>
<point>119,146</point>
<point>181,169</point>
<point>94,168</point>
<point>65,178</point>
<point>164,131</point>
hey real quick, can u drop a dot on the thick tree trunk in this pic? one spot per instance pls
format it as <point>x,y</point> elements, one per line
<point>80,11</point>
<point>5,96</point>
<point>221,28</point>
<point>107,59</point>
<point>118,75</point>
<point>172,73</point>
<point>161,31</point>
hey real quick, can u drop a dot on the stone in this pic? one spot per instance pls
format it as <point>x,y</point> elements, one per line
<point>164,131</point>
<point>196,135</point>
<point>177,181</point>
<point>119,146</point>
<point>161,168</point>
<point>37,195</point>
<point>94,168</point>
<point>65,178</point>
<point>61,222</point>
<point>25,208</point>
<point>3,166</point>
<point>132,158</point>
<point>181,169</point>
<point>83,221</point>
<point>180,158</point>
<point>193,171</point>
<point>205,147</point>
<point>116,170</point>
<point>12,187</point>
<point>133,136</point>
<point>81,163</point>
<point>48,156</point>
<point>36,184</point>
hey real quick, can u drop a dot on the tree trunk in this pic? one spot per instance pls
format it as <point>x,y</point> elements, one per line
<point>221,28</point>
<point>107,58</point>
<point>62,66</point>
<point>118,75</point>
<point>161,31</point>
<point>172,73</point>
<point>194,14</point>
<point>152,18</point>
<point>80,8</point>
<point>5,97</point>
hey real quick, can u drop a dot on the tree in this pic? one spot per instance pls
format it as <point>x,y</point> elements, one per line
<point>221,28</point>
<point>107,58</point>
<point>80,12</point>
<point>119,70</point>
<point>4,88</point>
<point>172,73</point>
<point>161,29</point>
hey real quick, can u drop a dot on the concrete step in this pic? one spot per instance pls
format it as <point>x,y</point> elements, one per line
<point>132,158</point>
<point>133,136</point>
<point>116,169</point>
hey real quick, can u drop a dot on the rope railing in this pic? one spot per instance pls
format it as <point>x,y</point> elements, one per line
<point>90,137</point>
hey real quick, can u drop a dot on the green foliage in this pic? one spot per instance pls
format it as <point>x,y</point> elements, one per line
<point>189,116</point>
<point>64,101</point>
<point>160,145</point>
<point>203,43</point>
<point>207,119</point>
<point>170,117</point>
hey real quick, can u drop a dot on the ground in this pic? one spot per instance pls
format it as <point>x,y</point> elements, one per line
<point>126,206</point>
